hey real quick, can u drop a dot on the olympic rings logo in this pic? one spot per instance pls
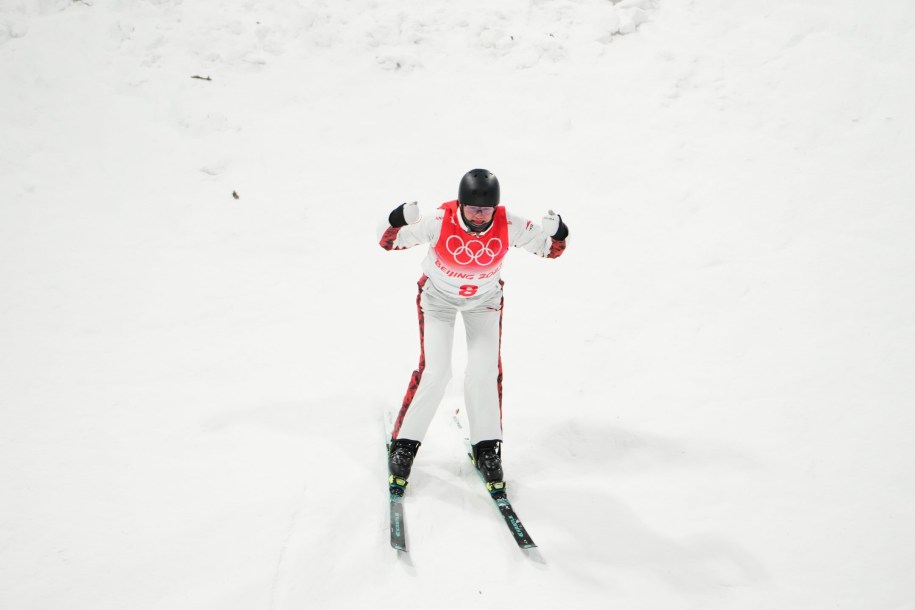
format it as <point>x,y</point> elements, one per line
<point>473,251</point>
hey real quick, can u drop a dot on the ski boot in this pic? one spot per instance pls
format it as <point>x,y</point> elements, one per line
<point>487,456</point>
<point>400,457</point>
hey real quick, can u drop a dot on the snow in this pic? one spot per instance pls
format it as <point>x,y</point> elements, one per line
<point>708,398</point>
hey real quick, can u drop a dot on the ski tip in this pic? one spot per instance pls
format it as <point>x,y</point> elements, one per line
<point>534,555</point>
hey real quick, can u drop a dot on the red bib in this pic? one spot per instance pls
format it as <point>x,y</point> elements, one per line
<point>465,252</point>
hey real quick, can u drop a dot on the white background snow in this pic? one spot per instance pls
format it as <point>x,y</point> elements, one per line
<point>708,398</point>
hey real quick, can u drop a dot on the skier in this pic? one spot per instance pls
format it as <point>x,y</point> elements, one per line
<point>468,239</point>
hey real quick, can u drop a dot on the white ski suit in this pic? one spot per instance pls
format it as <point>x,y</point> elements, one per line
<point>461,274</point>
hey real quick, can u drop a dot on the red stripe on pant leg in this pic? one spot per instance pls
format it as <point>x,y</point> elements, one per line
<point>417,375</point>
<point>499,378</point>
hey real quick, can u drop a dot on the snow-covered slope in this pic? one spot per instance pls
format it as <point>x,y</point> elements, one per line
<point>707,398</point>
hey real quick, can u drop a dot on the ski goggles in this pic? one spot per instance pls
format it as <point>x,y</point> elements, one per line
<point>475,210</point>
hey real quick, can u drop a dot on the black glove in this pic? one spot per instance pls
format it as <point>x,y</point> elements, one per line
<point>404,214</point>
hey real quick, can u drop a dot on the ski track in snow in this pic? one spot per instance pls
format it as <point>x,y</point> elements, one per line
<point>278,580</point>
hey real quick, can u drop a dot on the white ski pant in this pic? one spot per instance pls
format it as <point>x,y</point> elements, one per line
<point>482,319</point>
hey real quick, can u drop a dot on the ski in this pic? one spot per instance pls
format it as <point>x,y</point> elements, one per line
<point>397,486</point>
<point>499,494</point>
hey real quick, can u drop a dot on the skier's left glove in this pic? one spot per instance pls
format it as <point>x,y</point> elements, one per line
<point>554,227</point>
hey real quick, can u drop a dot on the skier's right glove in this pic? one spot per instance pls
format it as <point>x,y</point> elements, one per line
<point>404,214</point>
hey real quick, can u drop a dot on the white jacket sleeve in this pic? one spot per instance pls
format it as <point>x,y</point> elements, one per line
<point>426,231</point>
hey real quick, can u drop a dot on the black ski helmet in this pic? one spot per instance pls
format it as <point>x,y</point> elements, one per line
<point>479,187</point>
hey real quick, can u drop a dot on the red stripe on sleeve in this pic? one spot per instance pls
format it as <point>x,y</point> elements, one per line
<point>387,240</point>
<point>557,248</point>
